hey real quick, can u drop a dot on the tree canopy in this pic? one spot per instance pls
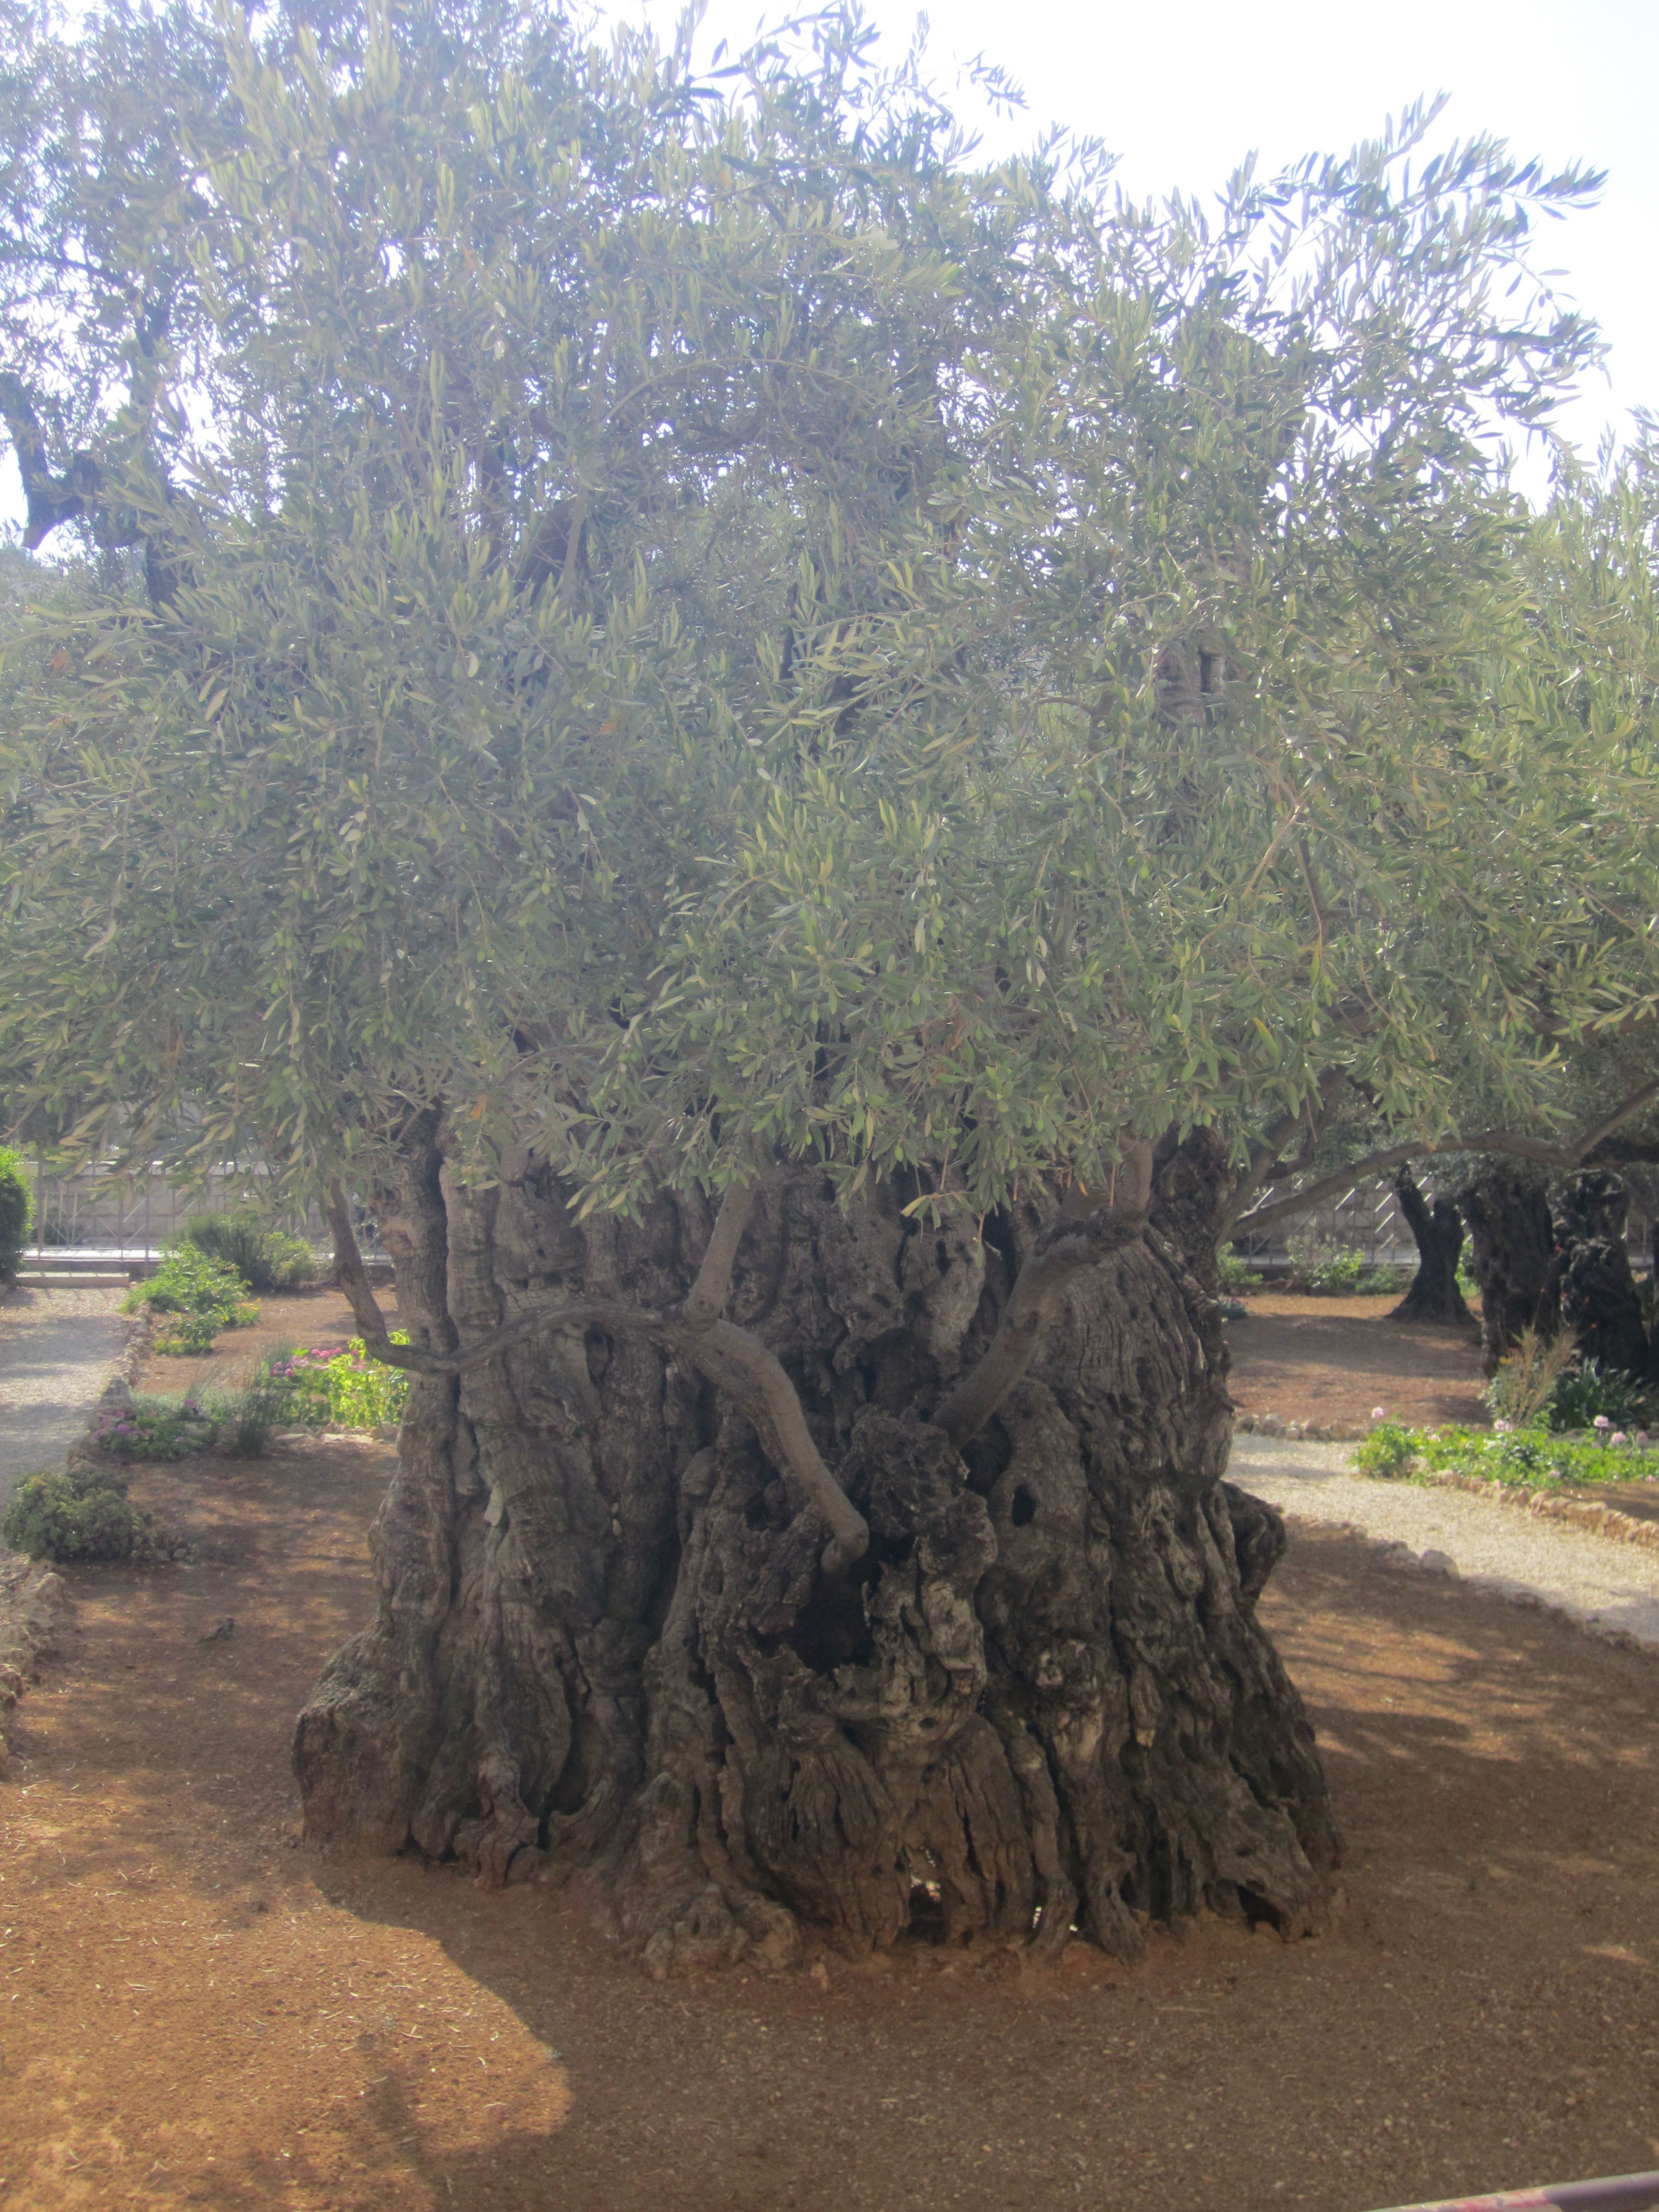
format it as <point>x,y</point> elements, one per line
<point>684,621</point>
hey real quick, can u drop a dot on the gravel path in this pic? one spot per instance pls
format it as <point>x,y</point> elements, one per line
<point>1614,1585</point>
<point>55,1354</point>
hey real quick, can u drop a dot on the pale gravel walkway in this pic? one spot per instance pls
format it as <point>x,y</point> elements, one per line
<point>55,1354</point>
<point>1611,1585</point>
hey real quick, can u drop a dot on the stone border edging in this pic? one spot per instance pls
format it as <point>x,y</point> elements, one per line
<point>31,1597</point>
<point>32,1592</point>
<point>1577,1512</point>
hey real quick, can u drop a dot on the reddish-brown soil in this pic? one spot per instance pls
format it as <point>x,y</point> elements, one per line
<point>195,2010</point>
<point>1334,1359</point>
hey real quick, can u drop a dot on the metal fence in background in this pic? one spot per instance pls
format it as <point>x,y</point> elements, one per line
<point>132,1211</point>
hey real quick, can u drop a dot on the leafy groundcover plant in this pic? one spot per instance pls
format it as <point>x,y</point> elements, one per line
<point>342,1389</point>
<point>1533,1457</point>
<point>156,1428</point>
<point>203,1294</point>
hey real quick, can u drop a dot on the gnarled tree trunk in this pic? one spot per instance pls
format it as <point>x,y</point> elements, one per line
<point>607,1634</point>
<point>1438,1233</point>
<point>1511,1245</point>
<point>1589,1291</point>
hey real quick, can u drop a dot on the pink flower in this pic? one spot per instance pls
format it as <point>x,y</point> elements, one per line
<point>1379,1412</point>
<point>1602,1422</point>
<point>1505,1428</point>
<point>1618,1437</point>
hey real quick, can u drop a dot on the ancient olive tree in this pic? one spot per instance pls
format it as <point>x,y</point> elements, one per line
<point>805,761</point>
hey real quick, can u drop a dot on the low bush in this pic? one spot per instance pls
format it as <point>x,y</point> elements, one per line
<point>83,1515</point>
<point>156,1428</point>
<point>1237,1275</point>
<point>1533,1457</point>
<point>201,1294</point>
<point>16,1211</point>
<point>1323,1270</point>
<point>1590,1396</point>
<point>245,1410</point>
<point>344,1389</point>
<point>264,1258</point>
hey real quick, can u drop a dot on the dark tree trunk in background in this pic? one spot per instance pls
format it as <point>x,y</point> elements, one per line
<point>1590,1292</point>
<point>604,1636</point>
<point>1511,1246</point>
<point>1438,1232</point>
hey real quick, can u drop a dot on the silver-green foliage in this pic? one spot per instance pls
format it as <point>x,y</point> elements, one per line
<point>690,621</point>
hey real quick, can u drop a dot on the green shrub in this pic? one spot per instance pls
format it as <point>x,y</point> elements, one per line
<point>156,1428</point>
<point>244,1410</point>
<point>1469,1288</point>
<point>1532,1457</point>
<point>83,1515</point>
<point>1591,1393</point>
<point>205,1295</point>
<point>362,1393</point>
<point>16,1211</point>
<point>265,1258</point>
<point>1237,1275</point>
<point>337,1389</point>
<point>1386,1451</point>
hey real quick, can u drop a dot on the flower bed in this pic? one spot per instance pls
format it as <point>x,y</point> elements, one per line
<point>1533,1457</point>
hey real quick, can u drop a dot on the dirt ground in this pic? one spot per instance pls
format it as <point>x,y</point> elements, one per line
<point>1334,1359</point>
<point>309,1317</point>
<point>195,2010</point>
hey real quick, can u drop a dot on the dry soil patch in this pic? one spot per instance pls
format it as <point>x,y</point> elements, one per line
<point>196,2011</point>
<point>1332,1360</point>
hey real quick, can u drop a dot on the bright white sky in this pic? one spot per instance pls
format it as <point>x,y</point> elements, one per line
<point>1182,91</point>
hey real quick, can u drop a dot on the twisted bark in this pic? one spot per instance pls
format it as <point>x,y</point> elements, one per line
<point>611,1636</point>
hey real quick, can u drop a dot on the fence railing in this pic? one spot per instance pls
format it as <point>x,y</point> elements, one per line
<point>130,1211</point>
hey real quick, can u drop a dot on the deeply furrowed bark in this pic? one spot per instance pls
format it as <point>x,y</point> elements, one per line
<point>1589,1291</point>
<point>1511,1244</point>
<point>606,1636</point>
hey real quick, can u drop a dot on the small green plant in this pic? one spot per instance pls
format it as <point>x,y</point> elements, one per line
<point>1467,1287</point>
<point>156,1428</point>
<point>1533,1458</point>
<point>1593,1396</point>
<point>83,1515</point>
<point>264,1258</point>
<point>245,1409</point>
<point>1386,1451</point>
<point>16,1211</point>
<point>1528,1379</point>
<point>1237,1275</point>
<point>341,1389</point>
<point>362,1393</point>
<point>201,1294</point>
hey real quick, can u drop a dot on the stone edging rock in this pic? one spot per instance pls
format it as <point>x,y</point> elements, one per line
<point>1312,1433</point>
<point>31,1594</point>
<point>1576,1512</point>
